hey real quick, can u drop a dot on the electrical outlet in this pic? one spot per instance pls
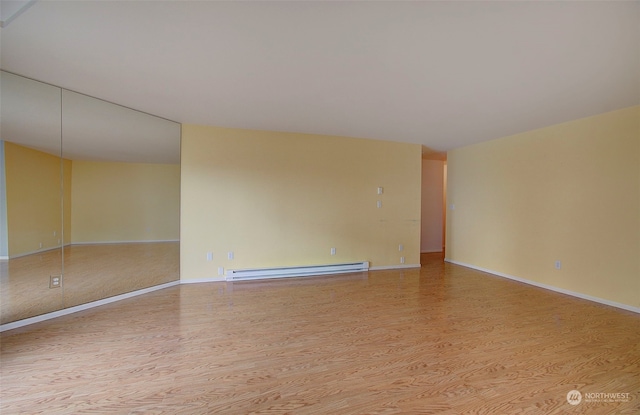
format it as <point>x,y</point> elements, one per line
<point>402,260</point>
<point>558,264</point>
<point>209,256</point>
<point>55,281</point>
<point>230,255</point>
<point>400,247</point>
<point>333,251</point>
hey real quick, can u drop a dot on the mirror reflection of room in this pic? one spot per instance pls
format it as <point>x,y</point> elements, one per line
<point>31,231</point>
<point>99,208</point>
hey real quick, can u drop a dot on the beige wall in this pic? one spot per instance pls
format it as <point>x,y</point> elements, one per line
<point>67,172</point>
<point>284,199</point>
<point>34,213</point>
<point>431,239</point>
<point>569,192</point>
<point>124,202</point>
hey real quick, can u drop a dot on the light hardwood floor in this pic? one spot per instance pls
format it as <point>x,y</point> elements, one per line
<point>91,272</point>
<point>440,339</point>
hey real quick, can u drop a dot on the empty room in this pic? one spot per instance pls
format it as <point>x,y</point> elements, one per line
<point>319,207</point>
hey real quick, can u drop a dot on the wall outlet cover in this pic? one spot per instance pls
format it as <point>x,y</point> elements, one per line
<point>55,281</point>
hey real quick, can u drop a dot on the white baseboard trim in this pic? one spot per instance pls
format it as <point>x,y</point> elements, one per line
<point>403,266</point>
<point>222,278</point>
<point>124,242</point>
<point>200,280</point>
<point>37,251</point>
<point>549,287</point>
<point>82,307</point>
<point>4,258</point>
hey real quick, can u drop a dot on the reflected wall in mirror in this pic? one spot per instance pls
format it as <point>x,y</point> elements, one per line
<point>119,173</point>
<point>125,199</point>
<point>30,202</point>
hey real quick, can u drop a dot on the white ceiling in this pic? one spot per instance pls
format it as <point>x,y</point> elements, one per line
<point>441,74</point>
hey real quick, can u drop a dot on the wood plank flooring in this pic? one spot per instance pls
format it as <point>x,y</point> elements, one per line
<point>91,272</point>
<point>440,339</point>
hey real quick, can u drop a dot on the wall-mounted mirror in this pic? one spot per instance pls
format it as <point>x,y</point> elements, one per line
<point>118,199</point>
<point>30,202</point>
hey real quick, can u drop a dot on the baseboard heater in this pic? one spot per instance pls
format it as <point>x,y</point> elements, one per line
<point>284,272</point>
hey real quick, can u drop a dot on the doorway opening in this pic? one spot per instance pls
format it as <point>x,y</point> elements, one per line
<point>433,205</point>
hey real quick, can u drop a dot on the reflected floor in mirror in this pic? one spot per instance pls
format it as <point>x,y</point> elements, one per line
<point>439,339</point>
<point>91,272</point>
<point>24,285</point>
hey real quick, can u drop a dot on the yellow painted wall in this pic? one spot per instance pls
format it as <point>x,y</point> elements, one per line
<point>569,192</point>
<point>124,202</point>
<point>33,186</point>
<point>67,172</point>
<point>285,199</point>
